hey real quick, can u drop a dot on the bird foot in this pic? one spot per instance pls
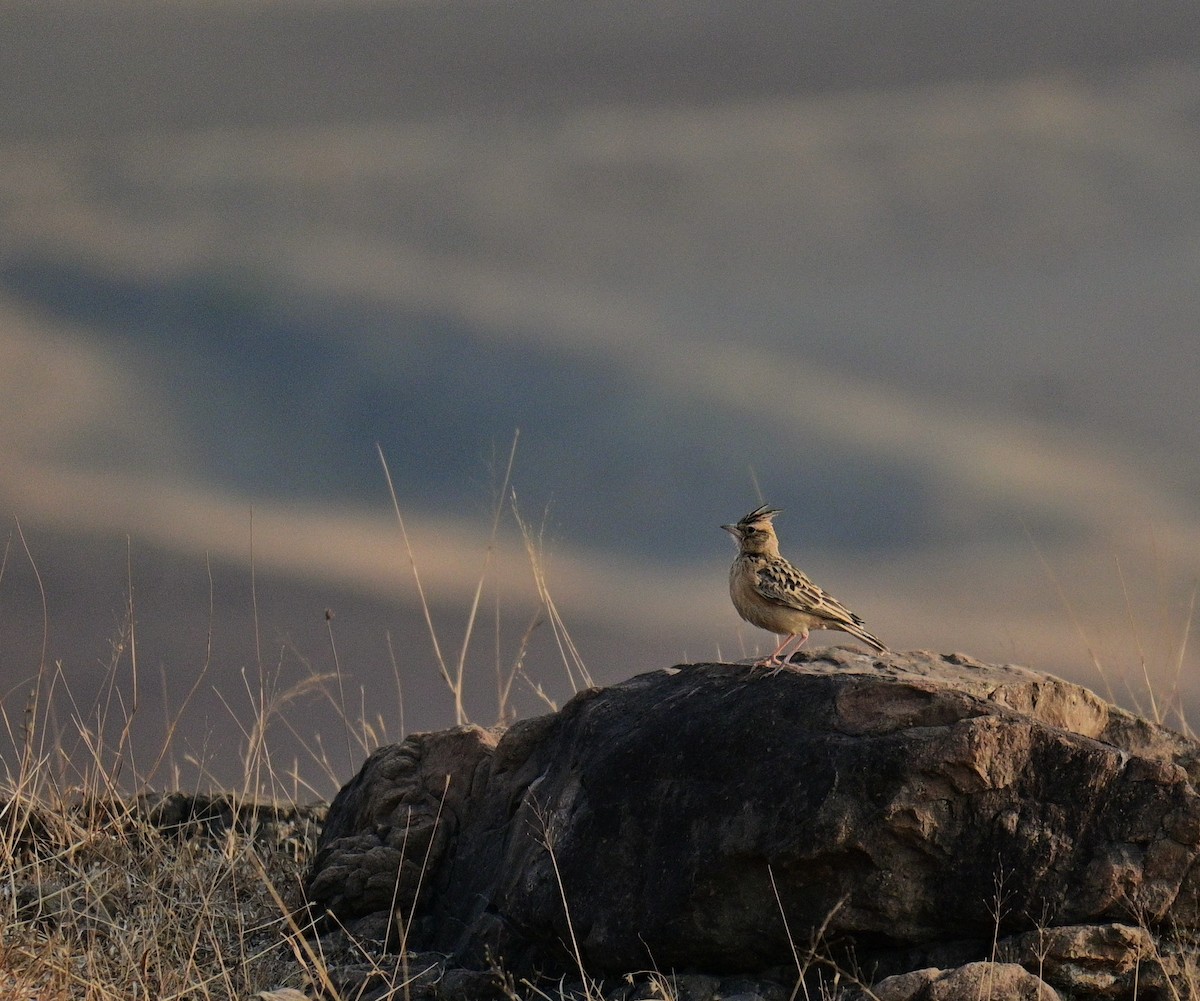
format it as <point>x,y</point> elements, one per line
<point>776,664</point>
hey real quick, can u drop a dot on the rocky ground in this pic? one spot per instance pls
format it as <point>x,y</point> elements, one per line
<point>898,827</point>
<point>894,826</point>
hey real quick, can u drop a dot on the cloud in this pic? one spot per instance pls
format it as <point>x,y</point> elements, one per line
<point>66,400</point>
<point>691,250</point>
<point>990,601</point>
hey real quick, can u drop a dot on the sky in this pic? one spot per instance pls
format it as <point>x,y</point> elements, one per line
<point>583,287</point>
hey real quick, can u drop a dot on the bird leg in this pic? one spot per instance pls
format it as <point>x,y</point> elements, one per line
<point>775,660</point>
<point>796,648</point>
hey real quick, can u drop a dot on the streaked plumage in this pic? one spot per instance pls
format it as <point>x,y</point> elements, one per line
<point>770,593</point>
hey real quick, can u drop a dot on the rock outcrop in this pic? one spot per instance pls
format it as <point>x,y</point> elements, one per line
<point>914,822</point>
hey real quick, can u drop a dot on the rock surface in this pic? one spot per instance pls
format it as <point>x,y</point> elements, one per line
<point>894,812</point>
<point>974,980</point>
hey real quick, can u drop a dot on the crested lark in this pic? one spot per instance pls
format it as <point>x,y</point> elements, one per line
<point>770,593</point>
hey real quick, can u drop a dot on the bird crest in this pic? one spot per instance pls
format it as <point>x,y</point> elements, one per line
<point>762,513</point>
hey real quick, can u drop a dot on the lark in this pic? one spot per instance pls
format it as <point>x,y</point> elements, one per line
<point>770,593</point>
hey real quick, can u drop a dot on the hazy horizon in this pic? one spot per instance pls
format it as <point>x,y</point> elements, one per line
<point>925,279</point>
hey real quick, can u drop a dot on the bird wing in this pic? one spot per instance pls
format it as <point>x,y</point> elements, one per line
<point>783,584</point>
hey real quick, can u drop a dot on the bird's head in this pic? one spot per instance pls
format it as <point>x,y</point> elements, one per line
<point>754,533</point>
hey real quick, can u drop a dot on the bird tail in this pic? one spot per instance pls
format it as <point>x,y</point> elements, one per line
<point>857,631</point>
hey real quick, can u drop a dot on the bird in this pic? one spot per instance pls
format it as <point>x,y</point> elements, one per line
<point>770,593</point>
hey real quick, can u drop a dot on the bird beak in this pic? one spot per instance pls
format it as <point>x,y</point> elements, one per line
<point>732,530</point>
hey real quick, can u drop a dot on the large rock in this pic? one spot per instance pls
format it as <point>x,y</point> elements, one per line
<point>720,818</point>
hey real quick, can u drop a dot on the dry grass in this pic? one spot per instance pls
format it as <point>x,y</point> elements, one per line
<point>102,903</point>
<point>111,892</point>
